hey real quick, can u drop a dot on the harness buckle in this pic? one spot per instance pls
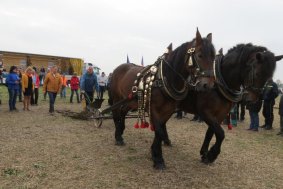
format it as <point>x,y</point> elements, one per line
<point>191,50</point>
<point>134,89</point>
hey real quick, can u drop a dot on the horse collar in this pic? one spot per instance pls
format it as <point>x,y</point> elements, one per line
<point>230,94</point>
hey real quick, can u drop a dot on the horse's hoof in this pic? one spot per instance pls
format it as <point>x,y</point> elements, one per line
<point>159,166</point>
<point>120,143</point>
<point>205,160</point>
<point>168,143</point>
<point>203,153</point>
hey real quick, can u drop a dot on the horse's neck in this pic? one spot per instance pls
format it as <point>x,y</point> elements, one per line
<point>178,70</point>
<point>231,74</point>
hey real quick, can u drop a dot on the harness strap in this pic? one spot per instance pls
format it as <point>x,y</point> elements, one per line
<point>230,94</point>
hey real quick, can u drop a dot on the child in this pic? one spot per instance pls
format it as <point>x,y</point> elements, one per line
<point>233,114</point>
<point>254,109</point>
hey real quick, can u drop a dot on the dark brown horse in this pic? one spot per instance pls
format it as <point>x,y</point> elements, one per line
<point>246,66</point>
<point>175,70</point>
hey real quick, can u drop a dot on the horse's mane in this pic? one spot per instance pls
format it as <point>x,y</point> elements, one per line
<point>243,51</point>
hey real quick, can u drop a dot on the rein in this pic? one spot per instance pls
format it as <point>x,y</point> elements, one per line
<point>230,94</point>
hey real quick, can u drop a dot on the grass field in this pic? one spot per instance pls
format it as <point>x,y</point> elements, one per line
<point>38,150</point>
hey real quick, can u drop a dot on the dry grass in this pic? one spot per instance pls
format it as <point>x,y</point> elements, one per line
<point>42,151</point>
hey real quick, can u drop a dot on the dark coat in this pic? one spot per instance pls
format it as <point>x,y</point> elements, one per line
<point>254,107</point>
<point>281,106</point>
<point>270,91</point>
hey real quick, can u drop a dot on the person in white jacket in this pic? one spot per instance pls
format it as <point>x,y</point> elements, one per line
<point>102,82</point>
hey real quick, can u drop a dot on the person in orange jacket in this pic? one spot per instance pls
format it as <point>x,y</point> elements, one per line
<point>27,87</point>
<point>52,84</point>
<point>64,85</point>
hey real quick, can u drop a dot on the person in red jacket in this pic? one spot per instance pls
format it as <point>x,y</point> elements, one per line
<point>75,82</point>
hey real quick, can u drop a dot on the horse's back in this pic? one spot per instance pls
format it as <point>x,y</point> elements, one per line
<point>123,78</point>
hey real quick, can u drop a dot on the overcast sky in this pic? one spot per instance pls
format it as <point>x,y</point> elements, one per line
<point>105,31</point>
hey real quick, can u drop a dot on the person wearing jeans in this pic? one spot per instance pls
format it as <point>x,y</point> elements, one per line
<point>13,83</point>
<point>52,98</point>
<point>52,84</point>
<point>64,85</point>
<point>254,109</point>
<point>102,82</point>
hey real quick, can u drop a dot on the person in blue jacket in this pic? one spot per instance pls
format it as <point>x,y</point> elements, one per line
<point>89,84</point>
<point>13,84</point>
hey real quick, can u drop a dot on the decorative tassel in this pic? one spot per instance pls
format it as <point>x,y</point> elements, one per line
<point>230,127</point>
<point>136,126</point>
<point>152,128</point>
<point>146,124</point>
<point>130,96</point>
<point>142,125</point>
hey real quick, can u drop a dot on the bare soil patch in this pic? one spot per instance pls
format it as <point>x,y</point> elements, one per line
<point>38,150</point>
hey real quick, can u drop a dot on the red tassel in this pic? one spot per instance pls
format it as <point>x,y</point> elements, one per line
<point>152,128</point>
<point>146,124</point>
<point>143,125</point>
<point>130,96</point>
<point>136,126</point>
<point>230,127</point>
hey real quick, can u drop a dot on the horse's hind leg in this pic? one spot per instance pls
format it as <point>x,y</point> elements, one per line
<point>205,145</point>
<point>119,122</point>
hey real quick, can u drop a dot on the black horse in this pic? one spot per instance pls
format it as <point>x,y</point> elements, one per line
<point>244,66</point>
<point>191,61</point>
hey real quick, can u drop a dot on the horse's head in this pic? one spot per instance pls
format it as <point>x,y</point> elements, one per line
<point>201,61</point>
<point>258,70</point>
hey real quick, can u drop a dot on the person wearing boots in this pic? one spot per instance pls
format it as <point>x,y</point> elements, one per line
<point>270,92</point>
<point>281,116</point>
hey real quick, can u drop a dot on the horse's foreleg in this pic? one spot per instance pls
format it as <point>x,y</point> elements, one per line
<point>167,141</point>
<point>216,148</point>
<point>156,147</point>
<point>205,145</point>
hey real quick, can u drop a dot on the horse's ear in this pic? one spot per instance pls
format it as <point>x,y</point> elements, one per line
<point>170,47</point>
<point>209,37</point>
<point>259,56</point>
<point>277,58</point>
<point>198,38</point>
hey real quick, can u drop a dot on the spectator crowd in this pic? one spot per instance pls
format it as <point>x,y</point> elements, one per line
<point>25,84</point>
